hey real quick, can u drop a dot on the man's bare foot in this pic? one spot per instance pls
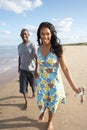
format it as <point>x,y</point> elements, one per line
<point>33,95</point>
<point>50,126</point>
<point>25,106</point>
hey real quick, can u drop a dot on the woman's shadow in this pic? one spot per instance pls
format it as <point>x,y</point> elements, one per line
<point>18,122</point>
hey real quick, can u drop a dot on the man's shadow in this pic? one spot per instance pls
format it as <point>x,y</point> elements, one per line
<point>13,102</point>
<point>21,122</point>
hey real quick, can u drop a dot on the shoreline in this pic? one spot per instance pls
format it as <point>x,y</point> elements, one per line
<point>8,76</point>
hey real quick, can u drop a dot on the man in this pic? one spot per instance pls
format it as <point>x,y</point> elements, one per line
<point>26,65</point>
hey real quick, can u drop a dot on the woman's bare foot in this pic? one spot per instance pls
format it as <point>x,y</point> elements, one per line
<point>41,117</point>
<point>50,126</point>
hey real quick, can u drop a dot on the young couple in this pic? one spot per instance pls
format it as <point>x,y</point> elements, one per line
<point>43,65</point>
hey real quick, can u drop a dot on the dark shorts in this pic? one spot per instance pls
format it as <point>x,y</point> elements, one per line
<point>25,78</point>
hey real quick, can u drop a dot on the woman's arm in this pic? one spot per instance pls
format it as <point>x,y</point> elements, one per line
<point>67,74</point>
<point>36,68</point>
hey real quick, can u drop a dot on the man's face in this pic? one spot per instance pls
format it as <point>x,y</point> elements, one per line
<point>25,36</point>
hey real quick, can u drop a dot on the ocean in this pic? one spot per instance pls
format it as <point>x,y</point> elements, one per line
<point>8,63</point>
<point>8,58</point>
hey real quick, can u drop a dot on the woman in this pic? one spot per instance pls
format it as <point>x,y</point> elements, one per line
<point>49,83</point>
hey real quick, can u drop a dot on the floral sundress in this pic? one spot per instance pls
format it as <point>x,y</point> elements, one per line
<point>49,84</point>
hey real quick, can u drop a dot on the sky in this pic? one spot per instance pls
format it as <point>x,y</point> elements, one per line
<point>68,16</point>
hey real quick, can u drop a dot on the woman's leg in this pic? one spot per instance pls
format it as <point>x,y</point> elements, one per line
<point>41,117</point>
<point>50,119</point>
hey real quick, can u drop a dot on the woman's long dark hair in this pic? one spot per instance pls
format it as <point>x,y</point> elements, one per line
<point>55,41</point>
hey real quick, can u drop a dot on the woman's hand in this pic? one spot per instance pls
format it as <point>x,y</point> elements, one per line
<point>77,90</point>
<point>36,74</point>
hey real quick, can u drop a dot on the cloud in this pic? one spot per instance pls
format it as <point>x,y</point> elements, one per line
<point>5,32</point>
<point>2,24</point>
<point>74,38</point>
<point>63,25</point>
<point>19,6</point>
<point>80,38</point>
<point>32,29</point>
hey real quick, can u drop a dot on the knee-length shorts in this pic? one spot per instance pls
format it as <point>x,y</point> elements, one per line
<point>25,78</point>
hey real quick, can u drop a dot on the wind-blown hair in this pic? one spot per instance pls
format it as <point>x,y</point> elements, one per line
<point>55,41</point>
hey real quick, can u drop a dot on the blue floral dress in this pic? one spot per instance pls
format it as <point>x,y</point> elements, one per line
<point>49,84</point>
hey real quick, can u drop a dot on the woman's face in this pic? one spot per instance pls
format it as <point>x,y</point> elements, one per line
<point>45,35</point>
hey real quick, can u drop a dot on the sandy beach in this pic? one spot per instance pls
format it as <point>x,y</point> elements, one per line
<point>71,116</point>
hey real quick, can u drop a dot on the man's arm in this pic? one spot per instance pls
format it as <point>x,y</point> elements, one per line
<point>19,63</point>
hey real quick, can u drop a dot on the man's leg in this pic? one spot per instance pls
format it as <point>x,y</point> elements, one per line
<point>24,87</point>
<point>26,101</point>
<point>32,83</point>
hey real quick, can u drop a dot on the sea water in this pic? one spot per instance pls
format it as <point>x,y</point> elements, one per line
<point>8,58</point>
